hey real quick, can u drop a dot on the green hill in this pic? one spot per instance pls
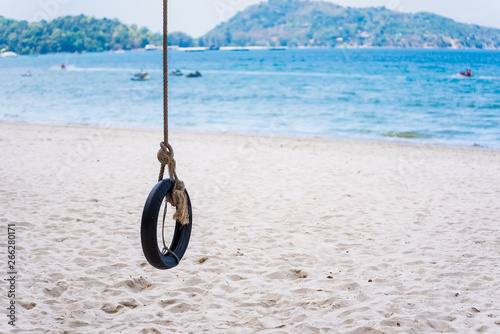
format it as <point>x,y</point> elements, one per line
<point>72,33</point>
<point>289,23</point>
<point>315,23</point>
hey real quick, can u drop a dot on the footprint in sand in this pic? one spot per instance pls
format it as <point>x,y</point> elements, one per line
<point>366,330</point>
<point>292,274</point>
<point>181,308</point>
<point>151,331</point>
<point>165,303</point>
<point>56,291</point>
<point>27,306</point>
<point>235,277</point>
<point>136,284</point>
<point>130,303</point>
<point>110,308</point>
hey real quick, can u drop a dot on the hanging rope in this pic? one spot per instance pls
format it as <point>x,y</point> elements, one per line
<point>177,196</point>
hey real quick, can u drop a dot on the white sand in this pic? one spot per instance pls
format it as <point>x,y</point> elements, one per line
<point>289,235</point>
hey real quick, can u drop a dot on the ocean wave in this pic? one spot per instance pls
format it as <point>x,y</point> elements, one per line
<point>301,74</point>
<point>73,68</point>
<point>481,77</point>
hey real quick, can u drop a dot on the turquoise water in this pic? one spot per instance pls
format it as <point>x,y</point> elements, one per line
<point>414,96</point>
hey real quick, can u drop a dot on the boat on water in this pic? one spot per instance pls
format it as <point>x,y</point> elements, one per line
<point>27,74</point>
<point>177,73</point>
<point>141,76</point>
<point>153,47</point>
<point>467,73</point>
<point>194,75</point>
<point>8,54</point>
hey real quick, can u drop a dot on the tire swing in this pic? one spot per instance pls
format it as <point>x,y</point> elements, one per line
<point>171,189</point>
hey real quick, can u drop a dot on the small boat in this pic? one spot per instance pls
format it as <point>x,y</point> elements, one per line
<point>194,75</point>
<point>176,73</point>
<point>467,73</point>
<point>27,74</point>
<point>152,47</point>
<point>141,76</point>
<point>8,54</point>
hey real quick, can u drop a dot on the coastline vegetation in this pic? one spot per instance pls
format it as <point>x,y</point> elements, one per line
<point>72,34</point>
<point>276,23</point>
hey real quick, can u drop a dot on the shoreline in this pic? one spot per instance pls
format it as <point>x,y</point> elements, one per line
<point>264,48</point>
<point>381,140</point>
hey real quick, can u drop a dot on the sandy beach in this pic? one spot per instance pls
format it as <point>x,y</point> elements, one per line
<point>289,235</point>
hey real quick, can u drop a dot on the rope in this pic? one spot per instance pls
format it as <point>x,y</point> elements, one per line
<point>166,249</point>
<point>177,197</point>
<point>165,71</point>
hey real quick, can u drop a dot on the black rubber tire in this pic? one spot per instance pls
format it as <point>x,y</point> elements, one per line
<point>149,223</point>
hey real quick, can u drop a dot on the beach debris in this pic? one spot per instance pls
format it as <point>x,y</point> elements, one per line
<point>329,276</point>
<point>298,273</point>
<point>475,309</point>
<point>202,260</point>
<point>457,294</point>
<point>370,281</point>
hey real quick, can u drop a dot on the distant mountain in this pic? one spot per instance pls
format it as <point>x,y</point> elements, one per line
<point>72,33</point>
<point>296,23</point>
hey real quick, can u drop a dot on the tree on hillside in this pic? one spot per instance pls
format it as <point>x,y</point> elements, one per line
<point>180,39</point>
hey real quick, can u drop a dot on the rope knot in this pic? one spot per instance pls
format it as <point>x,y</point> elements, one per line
<point>177,197</point>
<point>165,154</point>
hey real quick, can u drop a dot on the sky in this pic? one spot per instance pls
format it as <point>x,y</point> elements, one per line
<point>196,17</point>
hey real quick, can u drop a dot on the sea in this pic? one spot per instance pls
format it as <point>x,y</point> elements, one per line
<point>409,96</point>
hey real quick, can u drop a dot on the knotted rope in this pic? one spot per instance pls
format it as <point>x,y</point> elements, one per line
<point>177,197</point>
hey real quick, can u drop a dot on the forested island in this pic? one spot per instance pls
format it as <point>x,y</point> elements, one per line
<point>295,23</point>
<point>276,23</point>
<point>72,34</point>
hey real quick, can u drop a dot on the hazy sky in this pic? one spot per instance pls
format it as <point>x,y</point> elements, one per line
<point>196,17</point>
